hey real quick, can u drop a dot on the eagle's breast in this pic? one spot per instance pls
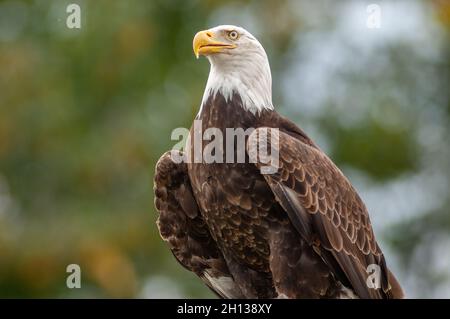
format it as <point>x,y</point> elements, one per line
<point>235,201</point>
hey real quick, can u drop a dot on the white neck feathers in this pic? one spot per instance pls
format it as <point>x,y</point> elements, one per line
<point>247,75</point>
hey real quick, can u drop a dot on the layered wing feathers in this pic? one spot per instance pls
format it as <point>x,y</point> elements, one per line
<point>324,208</point>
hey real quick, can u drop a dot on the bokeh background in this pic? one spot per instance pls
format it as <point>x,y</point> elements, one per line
<point>85,114</point>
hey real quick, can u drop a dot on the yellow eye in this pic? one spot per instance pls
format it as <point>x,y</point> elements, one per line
<point>233,35</point>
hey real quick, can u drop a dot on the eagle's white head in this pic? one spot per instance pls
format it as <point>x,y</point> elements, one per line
<point>239,65</point>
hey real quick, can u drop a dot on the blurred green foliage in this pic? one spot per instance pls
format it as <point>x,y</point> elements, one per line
<point>85,115</point>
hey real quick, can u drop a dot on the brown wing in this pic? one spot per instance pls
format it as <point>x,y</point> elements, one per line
<point>182,227</point>
<point>325,209</point>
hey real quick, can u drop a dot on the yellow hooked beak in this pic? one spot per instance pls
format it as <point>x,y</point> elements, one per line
<point>205,43</point>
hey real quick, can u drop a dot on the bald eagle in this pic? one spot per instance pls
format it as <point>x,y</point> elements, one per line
<point>301,231</point>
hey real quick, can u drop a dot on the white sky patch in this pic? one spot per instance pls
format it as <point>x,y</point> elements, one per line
<point>324,52</point>
<point>400,199</point>
<point>159,287</point>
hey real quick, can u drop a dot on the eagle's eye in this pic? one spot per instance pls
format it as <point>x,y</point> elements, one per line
<point>233,35</point>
